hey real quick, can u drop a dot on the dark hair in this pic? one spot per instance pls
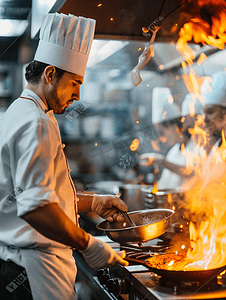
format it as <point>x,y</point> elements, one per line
<point>35,69</point>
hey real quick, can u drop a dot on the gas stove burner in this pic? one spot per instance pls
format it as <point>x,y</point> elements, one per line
<point>211,285</point>
<point>138,249</point>
<point>137,282</point>
<point>181,287</point>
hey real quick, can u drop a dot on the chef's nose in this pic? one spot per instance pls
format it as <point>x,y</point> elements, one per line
<point>76,96</point>
<point>78,93</point>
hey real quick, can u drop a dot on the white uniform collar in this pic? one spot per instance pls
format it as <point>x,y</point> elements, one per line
<point>30,94</point>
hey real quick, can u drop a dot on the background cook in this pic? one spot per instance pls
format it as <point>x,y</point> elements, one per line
<point>214,107</point>
<point>174,163</point>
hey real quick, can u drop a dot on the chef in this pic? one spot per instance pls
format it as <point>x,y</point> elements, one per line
<point>38,202</point>
<point>213,92</point>
<point>174,163</point>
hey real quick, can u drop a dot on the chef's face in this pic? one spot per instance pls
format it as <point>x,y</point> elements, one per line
<point>215,119</point>
<point>64,91</point>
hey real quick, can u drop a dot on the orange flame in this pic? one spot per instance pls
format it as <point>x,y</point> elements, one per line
<point>206,201</point>
<point>206,190</point>
<point>193,83</point>
<point>155,189</point>
<point>200,31</point>
<point>201,59</point>
<point>135,144</point>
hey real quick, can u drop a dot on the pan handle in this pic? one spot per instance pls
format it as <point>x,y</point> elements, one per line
<point>140,262</point>
<point>145,264</point>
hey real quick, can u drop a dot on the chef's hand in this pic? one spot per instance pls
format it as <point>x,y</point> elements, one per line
<point>104,206</point>
<point>148,159</point>
<point>99,255</point>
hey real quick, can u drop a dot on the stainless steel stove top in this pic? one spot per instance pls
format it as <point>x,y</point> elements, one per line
<point>150,285</point>
<point>137,282</point>
<point>144,284</point>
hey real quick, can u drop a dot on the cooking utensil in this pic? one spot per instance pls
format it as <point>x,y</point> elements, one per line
<point>145,57</point>
<point>150,224</point>
<point>196,275</point>
<point>125,215</point>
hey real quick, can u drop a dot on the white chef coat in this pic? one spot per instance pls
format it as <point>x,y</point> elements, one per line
<point>34,172</point>
<point>169,179</point>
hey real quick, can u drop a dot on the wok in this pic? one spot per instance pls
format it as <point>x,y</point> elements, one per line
<point>150,224</point>
<point>196,275</point>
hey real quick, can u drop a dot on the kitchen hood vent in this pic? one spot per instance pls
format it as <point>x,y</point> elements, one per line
<point>125,19</point>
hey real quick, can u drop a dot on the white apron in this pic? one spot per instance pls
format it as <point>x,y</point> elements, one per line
<point>60,273</point>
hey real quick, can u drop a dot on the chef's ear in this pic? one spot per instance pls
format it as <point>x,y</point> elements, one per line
<point>49,73</point>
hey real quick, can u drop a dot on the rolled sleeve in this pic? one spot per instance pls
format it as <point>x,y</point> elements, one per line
<point>34,154</point>
<point>33,198</point>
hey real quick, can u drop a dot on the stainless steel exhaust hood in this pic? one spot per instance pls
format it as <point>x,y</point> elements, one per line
<point>125,19</point>
<point>122,21</point>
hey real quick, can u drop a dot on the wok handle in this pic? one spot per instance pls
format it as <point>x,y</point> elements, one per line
<point>139,262</point>
<point>134,260</point>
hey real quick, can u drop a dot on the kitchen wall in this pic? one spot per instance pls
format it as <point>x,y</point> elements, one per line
<point>10,84</point>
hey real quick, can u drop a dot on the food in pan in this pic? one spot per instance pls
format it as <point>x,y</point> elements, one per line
<point>168,261</point>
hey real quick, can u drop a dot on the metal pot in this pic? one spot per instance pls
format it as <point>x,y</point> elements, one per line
<point>133,195</point>
<point>171,199</point>
<point>150,225</point>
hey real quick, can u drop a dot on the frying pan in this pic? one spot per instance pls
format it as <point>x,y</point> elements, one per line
<point>196,275</point>
<point>150,224</point>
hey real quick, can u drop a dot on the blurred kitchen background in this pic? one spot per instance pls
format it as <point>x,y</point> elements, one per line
<point>111,125</point>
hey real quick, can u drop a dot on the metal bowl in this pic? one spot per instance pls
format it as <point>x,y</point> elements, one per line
<point>150,224</point>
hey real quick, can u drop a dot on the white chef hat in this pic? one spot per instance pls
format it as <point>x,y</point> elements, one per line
<point>65,42</point>
<point>163,107</point>
<point>191,106</point>
<point>213,89</point>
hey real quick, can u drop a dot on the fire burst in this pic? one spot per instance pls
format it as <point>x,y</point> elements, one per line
<point>206,196</point>
<point>209,28</point>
